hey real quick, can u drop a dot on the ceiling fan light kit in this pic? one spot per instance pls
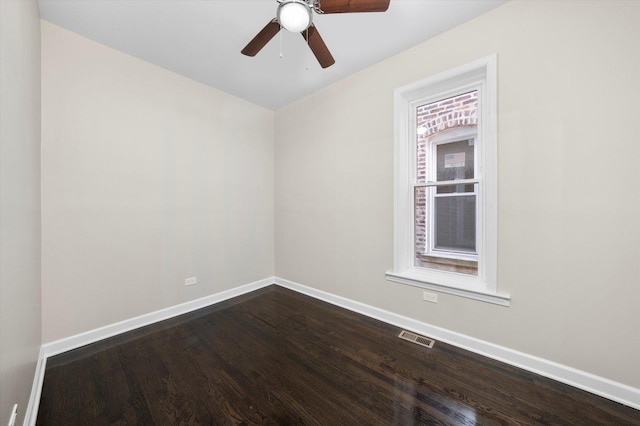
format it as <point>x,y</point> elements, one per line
<point>297,16</point>
<point>294,15</point>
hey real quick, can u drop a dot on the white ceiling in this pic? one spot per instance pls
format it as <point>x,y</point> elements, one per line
<point>202,39</point>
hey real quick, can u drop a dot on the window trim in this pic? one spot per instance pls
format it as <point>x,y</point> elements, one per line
<point>478,75</point>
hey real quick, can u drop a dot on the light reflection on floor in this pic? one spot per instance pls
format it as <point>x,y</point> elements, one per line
<point>407,412</point>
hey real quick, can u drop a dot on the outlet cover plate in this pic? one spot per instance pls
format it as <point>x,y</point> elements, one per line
<point>430,297</point>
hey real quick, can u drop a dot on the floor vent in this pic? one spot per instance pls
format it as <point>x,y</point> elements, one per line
<point>417,339</point>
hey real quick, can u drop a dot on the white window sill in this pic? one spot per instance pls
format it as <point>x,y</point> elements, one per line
<point>417,280</point>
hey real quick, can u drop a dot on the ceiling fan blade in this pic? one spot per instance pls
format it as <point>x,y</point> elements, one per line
<point>350,6</point>
<point>317,46</point>
<point>262,38</point>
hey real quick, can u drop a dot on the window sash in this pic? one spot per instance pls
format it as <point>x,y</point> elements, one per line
<point>452,136</point>
<point>430,248</point>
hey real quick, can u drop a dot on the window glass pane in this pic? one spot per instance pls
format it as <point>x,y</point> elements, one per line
<point>445,215</point>
<point>460,111</point>
<point>425,258</point>
<point>455,223</point>
<point>455,160</point>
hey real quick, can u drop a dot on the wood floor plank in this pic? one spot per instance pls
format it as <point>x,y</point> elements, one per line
<point>276,357</point>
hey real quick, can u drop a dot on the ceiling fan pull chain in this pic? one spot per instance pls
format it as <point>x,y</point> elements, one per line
<point>280,40</point>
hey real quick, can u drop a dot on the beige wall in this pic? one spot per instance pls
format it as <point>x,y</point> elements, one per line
<point>20,324</point>
<point>147,178</point>
<point>569,207</point>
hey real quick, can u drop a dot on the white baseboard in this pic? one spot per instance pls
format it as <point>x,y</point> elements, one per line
<point>601,386</point>
<point>92,336</point>
<point>31,414</point>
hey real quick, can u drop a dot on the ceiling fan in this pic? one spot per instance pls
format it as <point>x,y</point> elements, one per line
<point>297,16</point>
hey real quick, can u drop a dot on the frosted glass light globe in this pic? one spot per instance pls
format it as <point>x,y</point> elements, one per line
<point>294,16</point>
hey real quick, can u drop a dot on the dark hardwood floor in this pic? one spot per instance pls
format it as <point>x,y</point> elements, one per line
<point>276,357</point>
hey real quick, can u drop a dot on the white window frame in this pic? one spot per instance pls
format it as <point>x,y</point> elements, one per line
<point>480,75</point>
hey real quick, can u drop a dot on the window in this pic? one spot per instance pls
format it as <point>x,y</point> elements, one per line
<point>445,183</point>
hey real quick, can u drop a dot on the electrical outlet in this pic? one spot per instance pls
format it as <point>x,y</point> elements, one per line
<point>191,281</point>
<point>14,415</point>
<point>430,297</point>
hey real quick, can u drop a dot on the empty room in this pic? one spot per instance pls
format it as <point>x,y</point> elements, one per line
<point>319,212</point>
